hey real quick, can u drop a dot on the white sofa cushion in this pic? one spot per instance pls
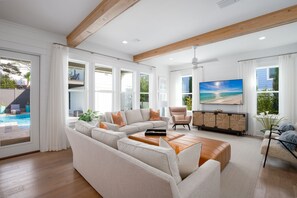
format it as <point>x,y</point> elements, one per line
<point>142,126</point>
<point>108,137</point>
<point>145,114</point>
<point>159,123</point>
<point>84,127</point>
<point>128,129</point>
<point>163,159</point>
<point>188,159</point>
<point>133,116</point>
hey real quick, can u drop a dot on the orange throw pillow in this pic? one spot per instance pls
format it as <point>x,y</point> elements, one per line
<point>154,115</point>
<point>117,119</point>
<point>103,126</point>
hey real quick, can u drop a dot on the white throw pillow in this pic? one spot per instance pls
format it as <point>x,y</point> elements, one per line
<point>163,159</point>
<point>84,127</point>
<point>188,159</point>
<point>107,137</point>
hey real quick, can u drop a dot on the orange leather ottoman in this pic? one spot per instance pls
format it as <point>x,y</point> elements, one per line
<point>211,149</point>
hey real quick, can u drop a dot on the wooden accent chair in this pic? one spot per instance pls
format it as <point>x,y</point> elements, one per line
<point>179,116</point>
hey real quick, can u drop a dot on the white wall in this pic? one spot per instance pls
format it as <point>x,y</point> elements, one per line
<point>225,68</point>
<point>20,38</point>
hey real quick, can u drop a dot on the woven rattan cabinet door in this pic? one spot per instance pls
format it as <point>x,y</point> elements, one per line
<point>209,119</point>
<point>197,118</point>
<point>223,121</point>
<point>237,122</point>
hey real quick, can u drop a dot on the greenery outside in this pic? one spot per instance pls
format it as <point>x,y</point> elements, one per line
<point>268,100</point>
<point>144,91</point>
<point>7,83</point>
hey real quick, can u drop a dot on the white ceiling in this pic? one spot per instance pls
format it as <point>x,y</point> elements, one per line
<point>156,23</point>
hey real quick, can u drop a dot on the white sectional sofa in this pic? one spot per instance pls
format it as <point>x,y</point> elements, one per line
<point>114,174</point>
<point>136,120</point>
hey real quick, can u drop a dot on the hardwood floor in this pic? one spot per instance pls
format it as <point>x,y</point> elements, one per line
<point>49,174</point>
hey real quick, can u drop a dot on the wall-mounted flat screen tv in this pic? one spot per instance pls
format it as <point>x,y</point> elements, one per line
<point>228,92</point>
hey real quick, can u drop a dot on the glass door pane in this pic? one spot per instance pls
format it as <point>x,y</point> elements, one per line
<point>19,89</point>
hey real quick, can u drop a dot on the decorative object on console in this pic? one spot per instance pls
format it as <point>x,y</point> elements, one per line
<point>224,122</point>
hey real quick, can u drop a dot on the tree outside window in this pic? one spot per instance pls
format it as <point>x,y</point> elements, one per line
<point>144,91</point>
<point>187,92</point>
<point>268,89</point>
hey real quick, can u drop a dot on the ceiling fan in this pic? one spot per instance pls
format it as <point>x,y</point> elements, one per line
<point>195,59</point>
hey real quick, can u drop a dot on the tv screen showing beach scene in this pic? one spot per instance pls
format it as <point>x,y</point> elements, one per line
<point>221,92</point>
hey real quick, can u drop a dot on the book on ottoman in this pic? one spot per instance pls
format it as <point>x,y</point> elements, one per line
<point>159,132</point>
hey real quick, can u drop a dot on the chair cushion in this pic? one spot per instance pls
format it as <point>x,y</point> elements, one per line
<point>142,126</point>
<point>128,129</point>
<point>163,159</point>
<point>118,119</point>
<point>290,136</point>
<point>84,127</point>
<point>145,114</point>
<point>107,137</point>
<point>154,115</point>
<point>133,116</point>
<point>188,159</point>
<point>276,150</point>
<point>179,117</point>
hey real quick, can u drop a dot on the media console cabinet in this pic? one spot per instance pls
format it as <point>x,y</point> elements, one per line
<point>221,121</point>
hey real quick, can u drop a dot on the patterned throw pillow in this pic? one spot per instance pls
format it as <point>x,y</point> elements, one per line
<point>290,136</point>
<point>103,126</point>
<point>154,115</point>
<point>117,119</point>
<point>286,127</point>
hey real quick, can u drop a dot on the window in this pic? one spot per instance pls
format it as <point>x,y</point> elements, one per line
<point>103,89</point>
<point>187,91</point>
<point>76,88</point>
<point>267,89</point>
<point>144,91</point>
<point>126,90</point>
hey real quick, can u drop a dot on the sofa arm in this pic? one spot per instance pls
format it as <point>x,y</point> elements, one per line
<point>202,183</point>
<point>165,119</point>
<point>110,126</point>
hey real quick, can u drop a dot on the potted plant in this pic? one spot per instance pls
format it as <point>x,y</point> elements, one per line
<point>88,116</point>
<point>266,120</point>
<point>2,108</point>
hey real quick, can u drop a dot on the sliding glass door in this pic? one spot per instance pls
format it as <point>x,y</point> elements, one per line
<point>19,103</point>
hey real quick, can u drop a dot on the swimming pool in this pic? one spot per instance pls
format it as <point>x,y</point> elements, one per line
<point>21,119</point>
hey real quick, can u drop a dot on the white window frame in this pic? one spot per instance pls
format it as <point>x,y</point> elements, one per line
<point>270,92</point>
<point>145,93</point>
<point>184,93</point>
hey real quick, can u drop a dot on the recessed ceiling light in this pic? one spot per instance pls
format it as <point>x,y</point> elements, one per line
<point>125,42</point>
<point>262,38</point>
<point>171,59</point>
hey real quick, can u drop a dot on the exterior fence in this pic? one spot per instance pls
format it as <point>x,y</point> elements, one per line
<point>14,96</point>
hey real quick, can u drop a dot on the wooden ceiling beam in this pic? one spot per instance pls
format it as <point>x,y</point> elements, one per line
<point>274,19</point>
<point>105,12</point>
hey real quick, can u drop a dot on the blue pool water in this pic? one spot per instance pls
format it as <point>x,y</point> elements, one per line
<point>21,119</point>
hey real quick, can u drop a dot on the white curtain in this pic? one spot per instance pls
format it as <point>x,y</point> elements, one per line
<point>288,87</point>
<point>197,77</point>
<point>175,89</point>
<point>247,71</point>
<point>153,83</point>
<point>57,112</point>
